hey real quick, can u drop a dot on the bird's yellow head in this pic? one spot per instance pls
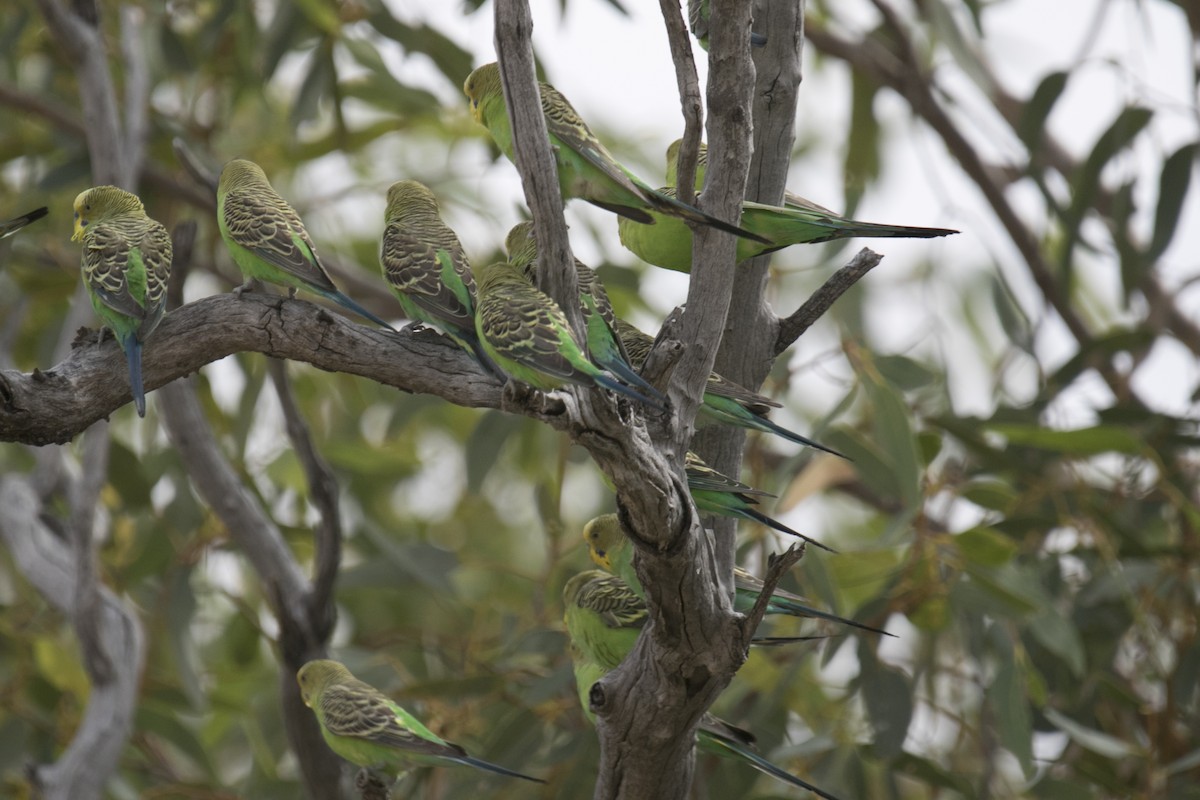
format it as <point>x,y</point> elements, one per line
<point>520,244</point>
<point>102,203</point>
<point>408,197</point>
<point>240,173</point>
<point>603,536</point>
<point>673,163</point>
<point>314,676</point>
<point>480,85</point>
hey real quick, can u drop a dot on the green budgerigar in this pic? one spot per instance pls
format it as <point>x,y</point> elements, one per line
<point>364,726</point>
<point>612,551</point>
<point>525,332</point>
<point>604,346</point>
<point>126,263</point>
<point>599,640</point>
<point>424,264</point>
<point>668,244</point>
<point>268,241</point>
<point>586,169</point>
<point>723,401</point>
<point>716,493</point>
<point>10,226</point>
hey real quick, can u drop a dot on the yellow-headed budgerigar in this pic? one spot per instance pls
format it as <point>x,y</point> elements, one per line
<point>424,264</point>
<point>669,244</point>
<point>526,334</point>
<point>611,550</point>
<point>604,346</point>
<point>364,726</point>
<point>126,263</point>
<point>585,167</point>
<point>268,241</point>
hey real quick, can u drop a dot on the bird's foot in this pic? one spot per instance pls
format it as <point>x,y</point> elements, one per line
<point>251,285</point>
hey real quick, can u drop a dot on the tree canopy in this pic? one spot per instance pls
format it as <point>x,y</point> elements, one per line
<point>1018,405</point>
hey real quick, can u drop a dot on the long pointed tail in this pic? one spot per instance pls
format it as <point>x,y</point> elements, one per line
<point>739,752</point>
<point>608,382</point>
<point>748,419</point>
<point>9,227</point>
<point>625,372</point>
<point>757,516</point>
<point>346,302</point>
<point>780,641</point>
<point>133,355</point>
<point>667,204</point>
<point>490,767</point>
<point>785,606</point>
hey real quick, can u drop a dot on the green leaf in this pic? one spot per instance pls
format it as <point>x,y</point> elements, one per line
<point>1086,182</point>
<point>1172,189</point>
<point>986,546</point>
<point>991,494</point>
<point>1089,738</point>
<point>1012,317</point>
<point>453,61</point>
<point>1056,633</point>
<point>1014,721</point>
<point>888,695</point>
<point>1037,110</point>
<point>1080,442</point>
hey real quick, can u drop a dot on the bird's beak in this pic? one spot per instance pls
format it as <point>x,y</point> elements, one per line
<point>78,234</point>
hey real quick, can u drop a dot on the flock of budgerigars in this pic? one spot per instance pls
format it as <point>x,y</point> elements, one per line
<point>514,331</point>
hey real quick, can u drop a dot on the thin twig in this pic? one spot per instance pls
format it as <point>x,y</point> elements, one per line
<point>690,102</point>
<point>793,327</point>
<point>323,493</point>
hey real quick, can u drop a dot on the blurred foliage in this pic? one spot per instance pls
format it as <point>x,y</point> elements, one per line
<point>1042,577</point>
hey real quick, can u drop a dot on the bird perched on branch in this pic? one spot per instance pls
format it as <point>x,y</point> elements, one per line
<point>268,241</point>
<point>425,266</point>
<point>585,167</point>
<point>723,400</point>
<point>612,551</point>
<point>603,621</point>
<point>364,726</point>
<point>525,332</point>
<point>604,346</point>
<point>126,263</point>
<point>668,244</point>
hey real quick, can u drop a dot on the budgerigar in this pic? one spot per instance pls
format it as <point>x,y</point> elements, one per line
<point>364,726</point>
<point>714,492</point>
<point>612,551</point>
<point>723,401</point>
<point>603,345</point>
<point>596,647</point>
<point>126,263</point>
<point>525,332</point>
<point>10,226</point>
<point>268,241</point>
<point>669,244</point>
<point>424,264</point>
<point>698,21</point>
<point>585,167</point>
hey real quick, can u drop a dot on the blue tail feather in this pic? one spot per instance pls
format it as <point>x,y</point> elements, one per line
<point>752,758</point>
<point>797,610</point>
<point>779,526</point>
<point>791,436</point>
<point>609,382</point>
<point>346,302</point>
<point>488,766</point>
<point>627,373</point>
<point>133,355</point>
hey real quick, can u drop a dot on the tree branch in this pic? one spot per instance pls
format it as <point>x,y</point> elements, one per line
<point>49,564</point>
<point>794,326</point>
<point>56,405</point>
<point>534,159</point>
